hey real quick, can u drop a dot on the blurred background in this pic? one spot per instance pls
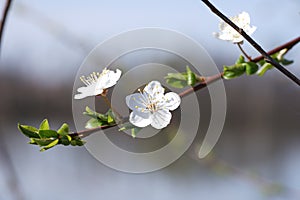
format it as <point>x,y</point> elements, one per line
<point>44,43</point>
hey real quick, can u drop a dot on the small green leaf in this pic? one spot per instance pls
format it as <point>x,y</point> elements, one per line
<point>234,71</point>
<point>286,62</point>
<point>177,80</point>
<point>73,143</point>
<point>32,141</point>
<point>191,77</point>
<point>110,119</point>
<point>48,134</point>
<point>176,83</point>
<point>80,142</point>
<point>52,144</point>
<point>29,131</point>
<point>44,125</point>
<point>264,69</point>
<point>240,60</point>
<point>129,126</point>
<point>93,123</point>
<point>64,140</point>
<point>42,142</point>
<point>89,112</point>
<point>63,130</point>
<point>134,131</point>
<point>251,68</point>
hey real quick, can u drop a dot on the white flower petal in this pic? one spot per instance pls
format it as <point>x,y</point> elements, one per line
<point>161,119</point>
<point>87,92</point>
<point>172,100</point>
<point>138,120</point>
<point>136,101</point>
<point>227,33</point>
<point>155,90</point>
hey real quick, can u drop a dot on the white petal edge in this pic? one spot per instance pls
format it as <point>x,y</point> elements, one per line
<point>161,119</point>
<point>154,89</point>
<point>134,100</point>
<point>172,100</point>
<point>138,120</point>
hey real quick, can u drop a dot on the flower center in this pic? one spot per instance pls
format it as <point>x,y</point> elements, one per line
<point>93,77</point>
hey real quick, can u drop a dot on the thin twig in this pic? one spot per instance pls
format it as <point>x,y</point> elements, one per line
<point>4,16</point>
<point>267,57</point>
<point>244,52</point>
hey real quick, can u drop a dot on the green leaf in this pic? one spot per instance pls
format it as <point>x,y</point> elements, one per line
<point>93,123</point>
<point>264,69</point>
<point>134,131</point>
<point>44,125</point>
<point>52,144</point>
<point>110,116</point>
<point>42,142</point>
<point>65,140</point>
<point>240,60</point>
<point>32,141</point>
<point>129,126</point>
<point>286,62</point>
<point>48,134</point>
<point>177,80</point>
<point>191,77</point>
<point>251,68</point>
<point>234,71</point>
<point>176,83</point>
<point>29,131</point>
<point>89,112</point>
<point>110,119</point>
<point>63,130</point>
<point>80,142</point>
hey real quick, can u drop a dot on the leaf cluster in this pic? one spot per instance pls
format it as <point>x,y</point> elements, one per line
<point>47,138</point>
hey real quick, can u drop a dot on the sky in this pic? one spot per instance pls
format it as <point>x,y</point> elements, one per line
<point>52,38</point>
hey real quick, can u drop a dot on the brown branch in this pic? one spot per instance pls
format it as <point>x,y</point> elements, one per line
<point>267,57</point>
<point>4,16</point>
<point>207,80</point>
<point>289,45</point>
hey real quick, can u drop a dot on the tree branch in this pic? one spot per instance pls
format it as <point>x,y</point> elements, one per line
<point>4,16</point>
<point>199,86</point>
<point>267,57</point>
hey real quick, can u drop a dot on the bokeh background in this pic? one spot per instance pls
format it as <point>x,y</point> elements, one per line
<point>257,156</point>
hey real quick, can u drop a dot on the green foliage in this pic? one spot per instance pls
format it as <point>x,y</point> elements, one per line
<point>241,66</point>
<point>128,126</point>
<point>181,80</point>
<point>47,138</point>
<point>279,57</point>
<point>98,119</point>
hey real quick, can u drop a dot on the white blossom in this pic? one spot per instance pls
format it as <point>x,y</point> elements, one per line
<point>227,33</point>
<point>152,106</point>
<point>96,83</point>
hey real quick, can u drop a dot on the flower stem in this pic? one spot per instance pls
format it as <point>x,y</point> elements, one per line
<point>243,51</point>
<point>118,115</point>
<point>266,56</point>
